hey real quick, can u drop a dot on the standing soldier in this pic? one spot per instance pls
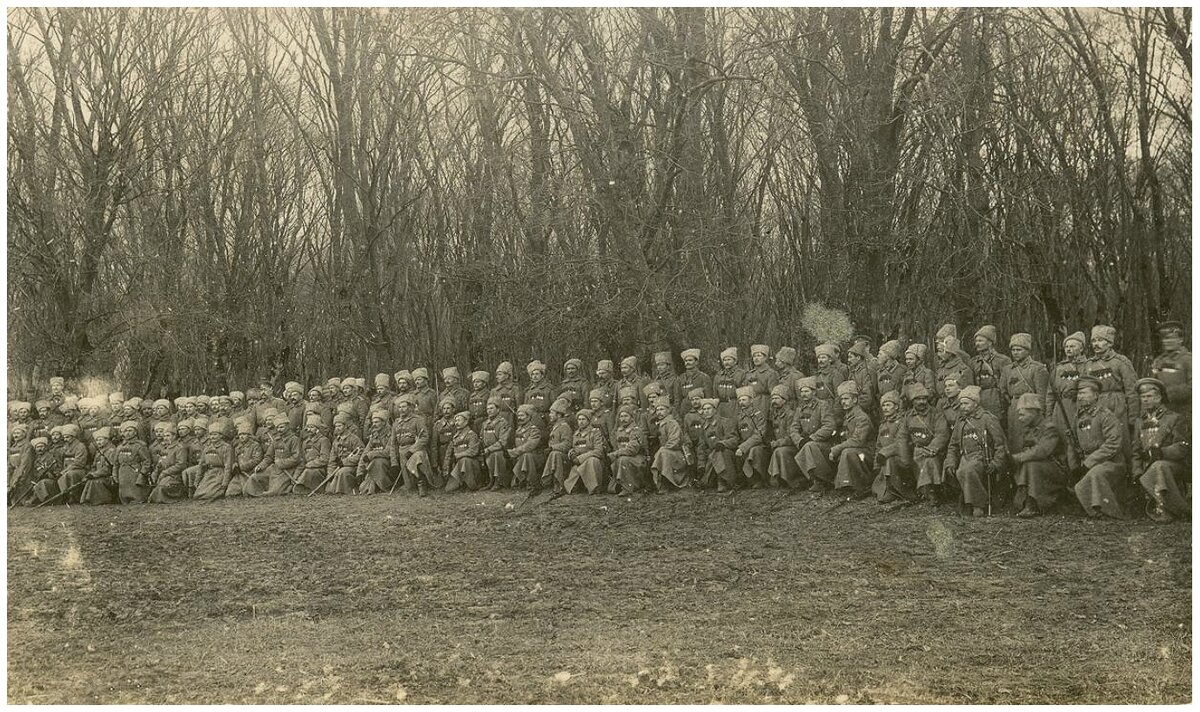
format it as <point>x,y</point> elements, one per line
<point>602,415</point>
<point>426,396</point>
<point>575,382</point>
<point>726,382</point>
<point>670,467</point>
<point>409,450</point>
<point>812,432</point>
<point>1161,452</point>
<point>783,470</point>
<point>863,374</point>
<point>762,377</point>
<point>785,361</point>
<point>333,391</point>
<point>1174,368</point>
<point>605,384</point>
<point>893,459</point>
<point>976,452</point>
<point>693,428</point>
<point>1060,395</point>
<point>666,378</point>
<point>540,394</point>
<point>527,453</point>
<point>478,397</point>
<point>507,390</point>
<point>857,446</point>
<point>717,443</point>
<point>752,451</point>
<point>344,452</point>
<point>318,406</point>
<point>404,385</point>
<point>1115,374</point>
<point>692,377</point>
<point>952,361</point>
<point>1040,456</point>
<point>558,447</point>
<point>830,373</point>
<point>452,388</point>
<point>890,374</point>
<point>928,433</point>
<point>495,436</point>
<point>1102,436</point>
<point>20,460</point>
<point>1021,376</point>
<point>382,397</point>
<point>58,394</point>
<point>864,342</point>
<point>632,377</point>
<point>465,471</point>
<point>988,368</point>
<point>586,455</point>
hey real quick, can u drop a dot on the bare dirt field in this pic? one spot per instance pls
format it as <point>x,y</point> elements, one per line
<point>685,598</point>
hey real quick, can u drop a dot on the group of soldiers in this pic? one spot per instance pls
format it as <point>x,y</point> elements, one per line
<point>972,429</point>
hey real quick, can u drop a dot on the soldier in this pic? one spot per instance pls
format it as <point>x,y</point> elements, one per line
<point>1102,437</point>
<point>761,376</point>
<point>344,451</point>
<point>627,459</point>
<point>319,407</point>
<point>216,464</point>
<point>249,460</point>
<point>692,377</point>
<point>1039,456</point>
<point>893,458</point>
<point>1115,374</point>
<point>586,455</point>
<point>75,463</point>
<point>632,377</point>
<point>693,428</point>
<point>785,361</point>
<point>558,447</point>
<point>864,343</point>
<point>314,457</point>
<point>928,433</point>
<point>293,395</point>
<point>648,419</point>
<point>1022,375</point>
<point>1060,396</point>
<point>409,451</point>
<point>527,453</point>
<point>830,373</point>
<point>47,464</point>
<point>465,470</point>
<point>1161,452</point>
<point>574,381</point>
<point>167,476</point>
<point>375,461</point>
<point>783,470</point>
<point>383,395</point>
<point>670,467</point>
<point>666,378</point>
<point>951,362</point>
<point>891,373</point>
<point>856,448</point>
<point>863,374</point>
<point>605,385</point>
<point>976,452</point>
<point>442,435</point>
<point>602,416</point>
<point>812,432</point>
<point>101,484</point>
<point>495,437</point>
<point>70,410</point>
<point>426,396</point>
<point>539,394</point>
<point>753,437</point>
<point>452,389</point>
<point>717,444</point>
<point>507,390</point>
<point>287,458</point>
<point>20,463</point>
<point>134,465</point>
<point>988,368</point>
<point>1174,368</point>
<point>726,382</point>
<point>404,386</point>
<point>478,397</point>
<point>333,391</point>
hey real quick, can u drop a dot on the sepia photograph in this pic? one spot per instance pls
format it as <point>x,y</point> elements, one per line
<point>608,355</point>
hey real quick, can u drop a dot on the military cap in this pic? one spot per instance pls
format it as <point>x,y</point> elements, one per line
<point>862,337</point>
<point>627,392</point>
<point>344,407</point>
<point>243,426</point>
<point>628,409</point>
<point>293,386</point>
<point>402,375</point>
<point>1077,337</point>
<point>560,406</point>
<point>652,389</point>
<point>916,390</point>
<point>781,390</point>
<point>450,372</point>
<point>1103,331</point>
<point>526,409</point>
<point>379,414</point>
<point>129,425</point>
<point>343,418</point>
<point>970,393</point>
<point>710,401</point>
<point>604,365</point>
<point>747,391</point>
<point>918,350</point>
<point>39,405</point>
<point>847,388</point>
<point>16,428</point>
<point>891,348</point>
<point>827,349</point>
<point>70,430</point>
<point>316,389</point>
<point>496,401</point>
<point>411,400</point>
<point>39,441</point>
<point>199,422</point>
<point>1023,340</point>
<point>662,357</point>
<point>630,362</point>
<point>1153,383</point>
<point>505,367</point>
<point>860,349</point>
<point>116,397</point>
<point>690,353</point>
<point>890,397</point>
<point>760,349</point>
<point>809,382</point>
<point>785,354</point>
<point>1171,328</point>
<point>585,413</point>
<point>596,394</point>
<point>535,366</point>
<point>464,414</point>
<point>947,330</point>
<point>988,332</point>
<point>334,381</point>
<point>105,433</point>
<point>382,380</point>
<point>695,393</point>
<point>661,402</point>
<point>184,424</point>
<point>574,362</point>
<point>420,372</point>
<point>313,421</point>
<point>1029,401</point>
<point>480,377</point>
<point>237,396</point>
<point>216,427</point>
<point>444,401</point>
<point>950,343</point>
<point>730,352</point>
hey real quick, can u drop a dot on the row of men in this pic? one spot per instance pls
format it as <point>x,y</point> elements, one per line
<point>920,452</point>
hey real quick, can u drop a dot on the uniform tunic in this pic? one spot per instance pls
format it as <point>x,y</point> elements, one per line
<point>465,472</point>
<point>579,386</point>
<point>168,473</point>
<point>928,434</point>
<point>101,487</point>
<point>1060,402</point>
<point>247,456</point>
<point>20,468</point>
<point>410,452</point>
<point>693,378</point>
<point>287,457</point>
<point>923,375</point>
<point>344,452</point>
<point>46,469</point>
<point>529,455</point>
<point>788,376</point>
<point>540,396</point>
<point>1117,385</point>
<point>314,460</point>
<point>812,433</point>
<point>1040,457</point>
<point>637,382</point>
<point>762,378</point>
<point>477,407</point>
<point>672,388</point>
<point>1164,472</point>
<point>216,463</point>
<point>495,437</point>
<point>753,438</point>
<point>855,453</point>
<point>976,444</point>
<point>459,395</point>
<point>894,460</point>
<point>74,467</point>
<point>1102,443</point>
<point>510,396</point>
<point>670,462</point>
<point>717,444</point>
<point>377,453</point>
<point>725,385</point>
<point>628,459</point>
<point>587,458</point>
<point>133,466</point>
<point>889,377</point>
<point>1021,377</point>
<point>1174,369</point>
<point>442,436</point>
<point>954,367</point>
<point>426,401</point>
<point>783,468</point>
<point>989,372</point>
<point>558,445</point>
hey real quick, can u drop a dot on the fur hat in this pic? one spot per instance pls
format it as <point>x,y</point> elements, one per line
<point>535,366</point>
<point>916,390</point>
<point>663,357</point>
<point>970,393</point>
<point>382,380</point>
<point>747,391</point>
<point>695,393</point>
<point>505,367</point>
<point>1029,401</point>
<point>402,375</point>
<point>809,382</point>
<point>574,362</point>
<point>1103,331</point>
<point>604,365</point>
<point>785,354</point>
<point>782,391</point>
<point>760,349</point>
<point>1023,340</point>
<point>730,352</point>
<point>710,401</point>
<point>560,406</point>
<point>891,348</point>
<point>918,350</point>
<point>827,349</point>
<point>890,397</point>
<point>420,372</point>
<point>946,330</point>
<point>988,332</point>
<point>847,388</point>
<point>629,362</point>
<point>690,353</point>
<point>480,377</point>
<point>450,372</point>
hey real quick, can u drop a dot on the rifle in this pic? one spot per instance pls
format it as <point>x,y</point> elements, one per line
<point>1072,436</point>
<point>987,466</point>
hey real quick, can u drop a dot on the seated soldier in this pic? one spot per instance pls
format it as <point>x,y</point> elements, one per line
<point>101,485</point>
<point>215,464</point>
<point>74,465</point>
<point>314,458</point>
<point>627,458</point>
<point>718,441</point>
<point>1161,453</point>
<point>344,452</point>
<point>250,463</point>
<point>376,457</point>
<point>670,466</point>
<point>586,455</point>
<point>410,447</point>
<point>134,463</point>
<point>976,451</point>
<point>813,431</point>
<point>528,453</point>
<point>893,461</point>
<point>856,450</point>
<point>465,469</point>
<point>783,470</point>
<point>1103,488</point>
<point>495,436</point>
<point>1041,477</point>
<point>753,436</point>
<point>558,445</point>
<point>928,434</point>
<point>167,475</point>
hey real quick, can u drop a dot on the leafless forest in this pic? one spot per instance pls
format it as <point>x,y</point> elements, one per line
<point>199,195</point>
